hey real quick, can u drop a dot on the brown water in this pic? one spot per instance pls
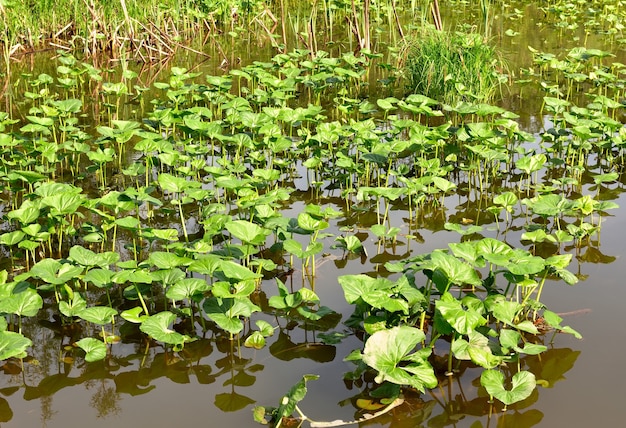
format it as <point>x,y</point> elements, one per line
<point>212,383</point>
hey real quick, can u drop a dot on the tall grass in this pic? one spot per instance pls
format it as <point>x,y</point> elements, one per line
<point>450,66</point>
<point>97,24</point>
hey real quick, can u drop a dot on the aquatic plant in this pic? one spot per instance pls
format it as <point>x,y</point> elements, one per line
<point>451,66</point>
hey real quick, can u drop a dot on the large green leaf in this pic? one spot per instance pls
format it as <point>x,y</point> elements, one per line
<point>157,326</point>
<point>235,272</point>
<point>98,314</point>
<point>101,278</point>
<point>95,349</point>
<point>385,350</point>
<point>456,271</point>
<point>63,204</point>
<point>55,272</point>
<point>83,256</point>
<point>247,231</point>
<point>164,260</point>
<point>13,345</point>
<point>547,205</point>
<point>25,303</point>
<point>309,223</point>
<point>522,385</point>
<point>174,184</point>
<point>74,307</point>
<point>226,312</point>
<point>524,263</point>
<point>494,251</point>
<point>377,292</point>
<point>240,289</point>
<point>462,320</point>
<point>187,288</point>
<point>475,349</point>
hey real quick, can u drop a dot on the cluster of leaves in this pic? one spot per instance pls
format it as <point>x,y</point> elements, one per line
<point>184,235</point>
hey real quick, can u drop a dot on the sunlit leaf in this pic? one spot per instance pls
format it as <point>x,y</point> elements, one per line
<point>95,349</point>
<point>522,385</point>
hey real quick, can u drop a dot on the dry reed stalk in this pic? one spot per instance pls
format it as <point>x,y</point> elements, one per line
<point>434,7</point>
<point>158,39</point>
<point>312,39</point>
<point>355,25</point>
<point>269,33</point>
<point>399,26</point>
<point>56,45</point>
<point>127,19</point>
<point>62,30</point>
<point>366,26</point>
<point>282,22</point>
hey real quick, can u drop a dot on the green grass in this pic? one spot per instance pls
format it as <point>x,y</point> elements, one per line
<point>93,24</point>
<point>451,67</point>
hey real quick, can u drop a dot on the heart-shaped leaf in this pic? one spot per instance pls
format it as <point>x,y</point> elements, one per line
<point>385,350</point>
<point>13,345</point>
<point>98,314</point>
<point>157,326</point>
<point>522,385</point>
<point>95,349</point>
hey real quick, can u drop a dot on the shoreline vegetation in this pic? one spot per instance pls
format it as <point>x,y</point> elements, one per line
<point>431,61</point>
<point>154,29</point>
<point>151,29</point>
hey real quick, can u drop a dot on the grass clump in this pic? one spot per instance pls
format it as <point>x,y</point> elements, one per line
<point>451,67</point>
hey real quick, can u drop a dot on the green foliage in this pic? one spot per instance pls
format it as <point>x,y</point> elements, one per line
<point>451,67</point>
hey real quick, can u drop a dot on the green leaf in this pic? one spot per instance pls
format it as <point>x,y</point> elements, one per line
<point>98,314</point>
<point>476,349</point>
<point>255,340</point>
<point>76,305</point>
<point>101,278</point>
<point>63,204</point>
<point>385,350</point>
<point>164,260</point>
<point>265,328</point>
<point>173,184</point>
<point>54,272</point>
<point>293,397</point>
<point>522,385</point>
<point>13,345</point>
<point>240,289</point>
<point>25,303</point>
<point>524,263</point>
<point>247,231</point>
<point>157,327</point>
<point>463,321</point>
<point>95,349</point>
<point>187,288</point>
<point>307,222</point>
<point>509,338</point>
<point>531,349</point>
<point>83,256</point>
<point>133,315</point>
<point>456,271</point>
<point>226,312</point>
<point>236,272</point>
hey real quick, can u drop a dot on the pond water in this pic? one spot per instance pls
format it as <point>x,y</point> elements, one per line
<point>215,381</point>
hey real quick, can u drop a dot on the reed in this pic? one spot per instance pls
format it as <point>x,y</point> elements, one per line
<point>450,66</point>
<point>93,26</point>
